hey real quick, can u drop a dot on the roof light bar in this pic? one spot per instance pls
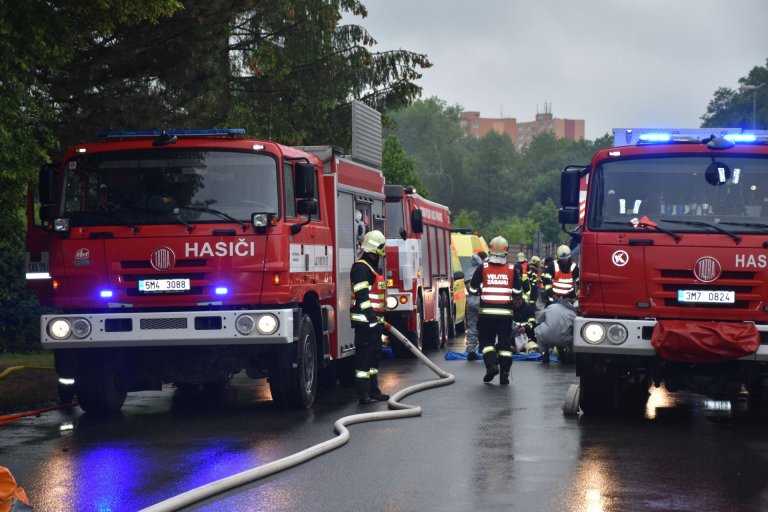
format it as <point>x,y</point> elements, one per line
<point>178,133</point>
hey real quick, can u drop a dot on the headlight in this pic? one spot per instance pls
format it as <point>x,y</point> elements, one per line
<point>245,324</point>
<point>391,302</point>
<point>59,328</point>
<point>617,334</point>
<point>267,324</point>
<point>81,328</point>
<point>593,333</point>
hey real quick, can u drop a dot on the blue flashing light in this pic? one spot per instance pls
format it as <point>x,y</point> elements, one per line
<point>740,137</point>
<point>106,294</point>
<point>221,290</point>
<point>157,133</point>
<point>655,137</point>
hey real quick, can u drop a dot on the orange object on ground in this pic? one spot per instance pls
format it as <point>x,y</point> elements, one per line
<point>10,493</point>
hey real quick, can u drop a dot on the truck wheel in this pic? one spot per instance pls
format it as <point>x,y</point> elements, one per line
<point>295,388</point>
<point>434,331</point>
<point>596,395</point>
<point>450,307</point>
<point>100,387</point>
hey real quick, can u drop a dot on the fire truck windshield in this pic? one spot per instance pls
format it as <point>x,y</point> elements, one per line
<point>162,186</point>
<point>681,193</point>
<point>395,219</point>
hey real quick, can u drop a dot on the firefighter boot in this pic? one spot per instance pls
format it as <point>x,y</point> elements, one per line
<point>376,393</point>
<point>364,391</point>
<point>505,367</point>
<point>491,371</point>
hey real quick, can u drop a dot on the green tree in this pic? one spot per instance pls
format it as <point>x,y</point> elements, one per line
<point>467,219</point>
<point>398,167</point>
<point>282,69</point>
<point>731,108</point>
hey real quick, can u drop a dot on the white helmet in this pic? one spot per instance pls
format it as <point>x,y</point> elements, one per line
<point>374,242</point>
<point>521,257</point>
<point>563,252</point>
<point>498,246</point>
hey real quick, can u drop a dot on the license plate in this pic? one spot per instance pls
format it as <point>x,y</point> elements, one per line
<point>163,285</point>
<point>706,296</point>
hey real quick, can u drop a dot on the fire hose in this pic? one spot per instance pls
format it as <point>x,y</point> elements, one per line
<point>397,410</point>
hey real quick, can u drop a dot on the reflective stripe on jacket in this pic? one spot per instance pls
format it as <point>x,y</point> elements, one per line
<point>563,282</point>
<point>496,289</point>
<point>369,291</point>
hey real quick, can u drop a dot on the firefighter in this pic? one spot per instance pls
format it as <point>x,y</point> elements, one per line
<point>534,279</point>
<point>473,305</point>
<point>556,326</point>
<point>562,276</point>
<point>495,283</point>
<point>523,320</point>
<point>367,315</point>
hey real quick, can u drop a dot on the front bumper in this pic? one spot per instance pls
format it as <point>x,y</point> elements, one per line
<point>151,329</point>
<point>638,342</point>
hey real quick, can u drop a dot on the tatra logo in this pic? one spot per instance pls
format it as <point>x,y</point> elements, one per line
<point>163,258</point>
<point>82,254</point>
<point>706,269</point>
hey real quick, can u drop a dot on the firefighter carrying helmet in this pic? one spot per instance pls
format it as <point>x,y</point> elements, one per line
<point>563,252</point>
<point>498,246</point>
<point>374,242</point>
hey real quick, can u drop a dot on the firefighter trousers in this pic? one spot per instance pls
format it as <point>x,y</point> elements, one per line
<point>496,340</point>
<point>367,356</point>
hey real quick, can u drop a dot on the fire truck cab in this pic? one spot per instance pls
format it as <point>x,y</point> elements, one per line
<point>673,230</point>
<point>187,256</point>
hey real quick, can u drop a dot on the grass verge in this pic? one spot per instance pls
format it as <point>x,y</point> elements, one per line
<point>29,388</point>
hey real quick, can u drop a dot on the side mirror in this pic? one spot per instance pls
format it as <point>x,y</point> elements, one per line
<point>47,183</point>
<point>46,213</point>
<point>304,180</point>
<point>568,215</point>
<point>306,206</point>
<point>458,275</point>
<point>416,221</point>
<point>569,187</point>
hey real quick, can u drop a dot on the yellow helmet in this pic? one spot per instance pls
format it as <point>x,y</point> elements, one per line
<point>535,260</point>
<point>374,242</point>
<point>498,246</point>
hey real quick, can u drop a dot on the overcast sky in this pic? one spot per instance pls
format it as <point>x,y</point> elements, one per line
<point>613,63</point>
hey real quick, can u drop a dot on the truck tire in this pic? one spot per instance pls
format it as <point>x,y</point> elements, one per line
<point>295,388</point>
<point>596,394</point>
<point>100,387</point>
<point>450,310</point>
<point>434,332</point>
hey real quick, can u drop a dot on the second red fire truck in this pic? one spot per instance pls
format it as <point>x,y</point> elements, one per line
<point>419,271</point>
<point>673,234</point>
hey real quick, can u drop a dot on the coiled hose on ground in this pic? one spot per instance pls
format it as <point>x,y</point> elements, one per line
<point>397,410</point>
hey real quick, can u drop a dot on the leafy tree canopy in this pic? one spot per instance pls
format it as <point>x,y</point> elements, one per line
<point>745,107</point>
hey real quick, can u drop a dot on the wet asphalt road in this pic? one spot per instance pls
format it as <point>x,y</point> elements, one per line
<point>476,447</point>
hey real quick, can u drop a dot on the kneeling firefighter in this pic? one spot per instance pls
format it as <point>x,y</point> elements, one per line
<point>496,283</point>
<point>367,314</point>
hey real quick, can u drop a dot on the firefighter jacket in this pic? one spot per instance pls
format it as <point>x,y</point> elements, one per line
<point>369,291</point>
<point>525,316</point>
<point>494,283</point>
<point>564,280</point>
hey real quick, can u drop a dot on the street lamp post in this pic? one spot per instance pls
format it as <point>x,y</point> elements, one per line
<point>753,88</point>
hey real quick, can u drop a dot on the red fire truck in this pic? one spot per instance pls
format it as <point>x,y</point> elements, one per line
<point>673,233</point>
<point>419,275</point>
<point>187,256</point>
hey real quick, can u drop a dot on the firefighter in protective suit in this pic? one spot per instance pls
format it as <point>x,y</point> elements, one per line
<point>496,283</point>
<point>367,314</point>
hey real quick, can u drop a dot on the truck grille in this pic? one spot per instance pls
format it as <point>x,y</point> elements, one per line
<point>743,283</point>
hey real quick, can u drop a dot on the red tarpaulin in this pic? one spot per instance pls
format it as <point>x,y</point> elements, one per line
<point>704,342</point>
